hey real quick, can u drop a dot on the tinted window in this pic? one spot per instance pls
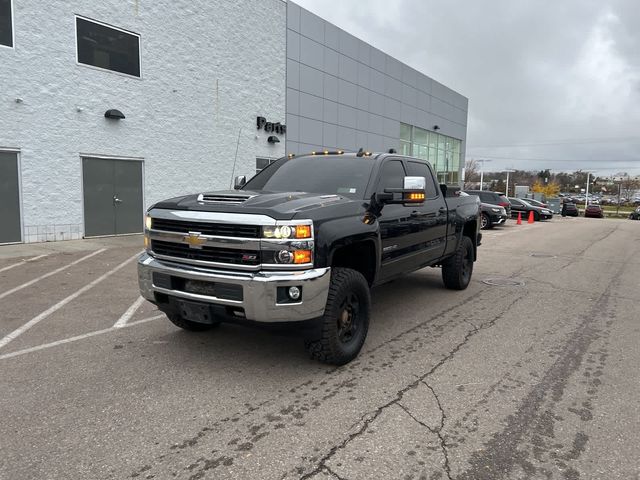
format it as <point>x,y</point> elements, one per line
<point>340,175</point>
<point>486,197</point>
<point>106,47</point>
<point>6,27</point>
<point>419,169</point>
<point>515,202</point>
<point>392,175</point>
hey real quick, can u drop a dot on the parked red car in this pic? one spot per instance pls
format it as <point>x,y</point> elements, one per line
<point>594,211</point>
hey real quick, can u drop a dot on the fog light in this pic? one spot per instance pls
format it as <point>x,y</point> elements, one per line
<point>285,256</point>
<point>294,293</point>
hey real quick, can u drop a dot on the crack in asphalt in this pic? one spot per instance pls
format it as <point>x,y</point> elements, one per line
<point>331,472</point>
<point>364,357</point>
<point>501,454</point>
<point>368,418</point>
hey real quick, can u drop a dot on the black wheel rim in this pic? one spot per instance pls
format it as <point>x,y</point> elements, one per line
<point>348,318</point>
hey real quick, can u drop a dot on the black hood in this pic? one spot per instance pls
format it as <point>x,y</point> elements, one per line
<point>278,205</point>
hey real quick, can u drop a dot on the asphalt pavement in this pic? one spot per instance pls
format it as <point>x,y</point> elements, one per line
<point>530,373</point>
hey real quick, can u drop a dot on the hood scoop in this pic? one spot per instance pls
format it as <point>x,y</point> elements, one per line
<point>225,199</point>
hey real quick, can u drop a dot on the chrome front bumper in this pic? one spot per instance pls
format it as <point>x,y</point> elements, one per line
<point>259,289</point>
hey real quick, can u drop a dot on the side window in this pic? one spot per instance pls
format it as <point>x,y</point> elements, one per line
<point>419,169</point>
<point>484,198</point>
<point>392,175</point>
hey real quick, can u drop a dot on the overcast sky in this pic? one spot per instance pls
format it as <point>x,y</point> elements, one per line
<point>552,80</point>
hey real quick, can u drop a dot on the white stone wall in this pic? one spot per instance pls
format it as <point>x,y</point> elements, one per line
<point>209,68</point>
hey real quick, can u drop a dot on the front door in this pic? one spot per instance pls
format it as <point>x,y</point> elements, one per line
<point>113,203</point>
<point>10,228</point>
<point>400,231</point>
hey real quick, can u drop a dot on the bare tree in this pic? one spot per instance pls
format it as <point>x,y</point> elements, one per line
<point>471,174</point>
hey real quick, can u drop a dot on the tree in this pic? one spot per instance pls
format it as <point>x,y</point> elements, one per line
<point>548,190</point>
<point>628,186</point>
<point>471,174</point>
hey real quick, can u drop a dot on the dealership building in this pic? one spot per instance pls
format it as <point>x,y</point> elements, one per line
<point>107,107</point>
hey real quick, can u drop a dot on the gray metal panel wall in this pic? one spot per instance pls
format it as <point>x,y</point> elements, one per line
<point>345,93</point>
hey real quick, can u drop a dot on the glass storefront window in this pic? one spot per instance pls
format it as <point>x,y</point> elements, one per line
<point>443,152</point>
<point>405,132</point>
<point>405,148</point>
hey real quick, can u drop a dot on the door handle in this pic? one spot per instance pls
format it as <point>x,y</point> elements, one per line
<point>416,213</point>
<point>442,210</point>
<point>116,200</point>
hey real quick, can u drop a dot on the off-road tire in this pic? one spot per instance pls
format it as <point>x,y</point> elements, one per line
<point>457,270</point>
<point>346,286</point>
<point>178,321</point>
<point>485,222</point>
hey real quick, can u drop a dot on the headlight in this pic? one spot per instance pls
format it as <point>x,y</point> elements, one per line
<point>287,231</point>
<point>497,210</point>
<point>147,222</point>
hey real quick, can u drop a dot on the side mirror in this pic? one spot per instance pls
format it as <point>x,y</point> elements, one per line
<point>239,182</point>
<point>413,192</point>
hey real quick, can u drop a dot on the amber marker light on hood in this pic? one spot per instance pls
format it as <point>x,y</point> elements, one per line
<point>303,231</point>
<point>302,256</point>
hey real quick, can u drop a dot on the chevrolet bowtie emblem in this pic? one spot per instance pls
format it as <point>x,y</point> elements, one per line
<point>194,240</point>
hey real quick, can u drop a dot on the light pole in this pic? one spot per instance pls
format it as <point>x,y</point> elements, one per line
<point>482,172</point>
<point>586,195</point>
<point>508,170</point>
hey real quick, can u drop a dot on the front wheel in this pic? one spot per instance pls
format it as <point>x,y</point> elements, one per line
<point>457,270</point>
<point>345,322</point>
<point>485,222</point>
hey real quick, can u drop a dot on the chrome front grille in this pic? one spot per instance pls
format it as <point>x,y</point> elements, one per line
<point>206,228</point>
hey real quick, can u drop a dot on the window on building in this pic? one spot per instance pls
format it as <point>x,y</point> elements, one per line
<point>262,163</point>
<point>107,47</point>
<point>6,23</point>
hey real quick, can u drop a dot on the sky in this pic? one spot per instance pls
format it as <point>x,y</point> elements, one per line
<point>551,84</point>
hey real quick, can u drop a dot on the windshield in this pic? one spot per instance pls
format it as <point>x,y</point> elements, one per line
<point>339,175</point>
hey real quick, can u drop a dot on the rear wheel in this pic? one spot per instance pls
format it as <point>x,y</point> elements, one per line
<point>457,270</point>
<point>181,322</point>
<point>345,321</point>
<point>536,216</point>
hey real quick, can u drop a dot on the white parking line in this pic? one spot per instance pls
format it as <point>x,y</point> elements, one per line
<point>57,270</point>
<point>76,338</point>
<point>126,316</point>
<point>22,262</point>
<point>19,331</point>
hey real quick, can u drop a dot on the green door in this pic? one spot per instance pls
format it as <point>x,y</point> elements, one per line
<point>113,203</point>
<point>10,228</point>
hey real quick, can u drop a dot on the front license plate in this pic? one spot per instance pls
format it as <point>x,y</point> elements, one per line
<point>200,287</point>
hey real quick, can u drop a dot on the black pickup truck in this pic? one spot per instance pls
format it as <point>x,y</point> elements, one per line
<point>302,243</point>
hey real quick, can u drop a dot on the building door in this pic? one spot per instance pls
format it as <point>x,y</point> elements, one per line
<point>10,228</point>
<point>113,203</point>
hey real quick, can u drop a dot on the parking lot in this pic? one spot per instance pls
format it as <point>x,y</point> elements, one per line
<point>532,372</point>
